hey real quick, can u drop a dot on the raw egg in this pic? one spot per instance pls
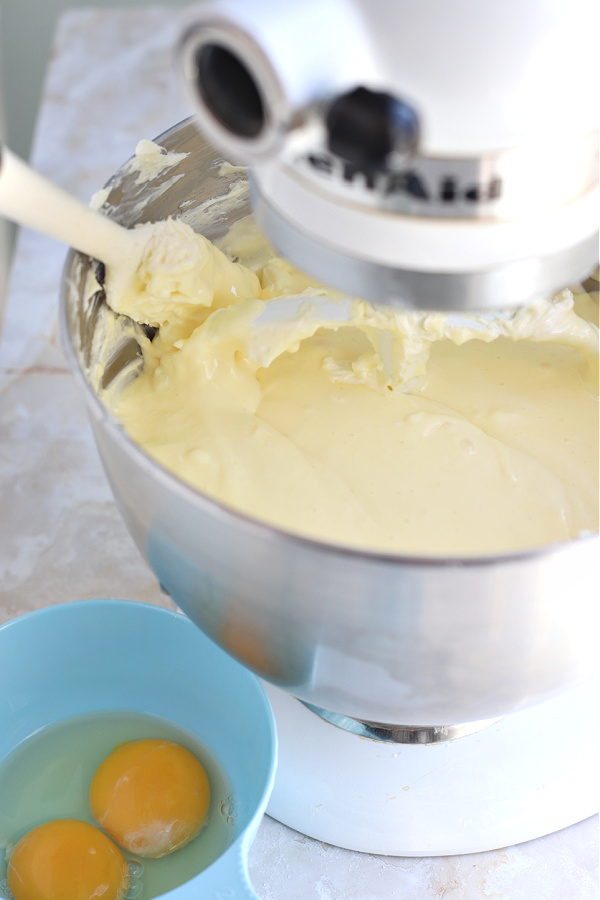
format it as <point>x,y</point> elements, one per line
<point>151,796</point>
<point>67,860</point>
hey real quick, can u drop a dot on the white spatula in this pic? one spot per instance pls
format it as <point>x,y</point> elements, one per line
<point>29,199</point>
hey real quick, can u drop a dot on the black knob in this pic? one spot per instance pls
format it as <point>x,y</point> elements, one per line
<point>364,127</point>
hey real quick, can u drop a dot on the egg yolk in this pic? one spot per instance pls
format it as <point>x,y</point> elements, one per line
<point>66,860</point>
<point>150,796</point>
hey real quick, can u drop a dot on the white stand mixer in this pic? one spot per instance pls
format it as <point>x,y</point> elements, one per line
<point>419,155</point>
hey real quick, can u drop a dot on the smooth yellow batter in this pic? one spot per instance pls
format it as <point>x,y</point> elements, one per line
<point>395,432</point>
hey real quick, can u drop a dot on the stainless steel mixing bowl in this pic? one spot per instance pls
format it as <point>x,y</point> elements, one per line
<point>376,637</point>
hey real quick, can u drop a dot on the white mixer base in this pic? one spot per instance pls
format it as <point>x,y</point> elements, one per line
<point>527,775</point>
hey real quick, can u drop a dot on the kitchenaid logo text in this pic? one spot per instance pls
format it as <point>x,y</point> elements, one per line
<point>414,183</point>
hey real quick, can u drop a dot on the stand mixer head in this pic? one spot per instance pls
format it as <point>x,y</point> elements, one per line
<point>427,156</point>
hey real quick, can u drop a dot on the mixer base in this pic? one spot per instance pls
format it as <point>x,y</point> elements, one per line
<point>526,775</point>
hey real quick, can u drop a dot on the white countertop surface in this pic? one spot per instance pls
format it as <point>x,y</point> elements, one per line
<point>111,82</point>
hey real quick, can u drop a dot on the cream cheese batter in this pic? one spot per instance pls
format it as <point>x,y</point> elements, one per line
<point>399,432</point>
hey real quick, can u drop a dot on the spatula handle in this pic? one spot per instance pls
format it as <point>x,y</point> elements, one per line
<point>29,199</point>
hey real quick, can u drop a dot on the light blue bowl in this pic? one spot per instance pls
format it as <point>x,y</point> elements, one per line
<point>86,656</point>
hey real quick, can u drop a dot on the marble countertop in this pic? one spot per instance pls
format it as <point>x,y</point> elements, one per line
<point>111,82</point>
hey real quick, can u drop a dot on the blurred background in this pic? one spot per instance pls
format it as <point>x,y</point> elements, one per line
<point>26,32</point>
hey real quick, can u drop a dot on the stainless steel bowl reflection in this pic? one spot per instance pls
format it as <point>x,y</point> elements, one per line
<point>388,639</point>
